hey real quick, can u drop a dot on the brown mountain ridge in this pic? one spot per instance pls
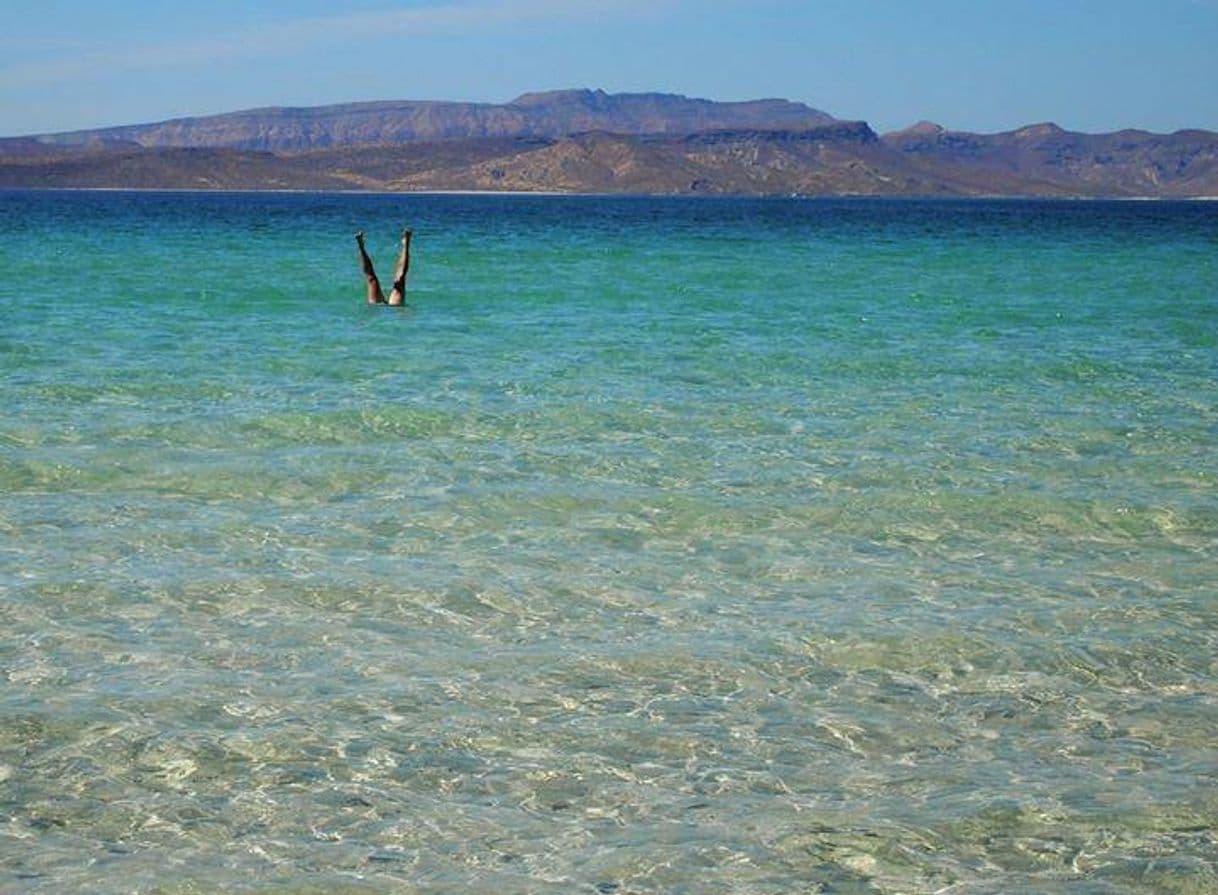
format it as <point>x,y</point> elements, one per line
<point>590,141</point>
<point>551,114</point>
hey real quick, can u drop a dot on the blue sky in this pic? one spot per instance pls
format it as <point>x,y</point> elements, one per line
<point>1092,65</point>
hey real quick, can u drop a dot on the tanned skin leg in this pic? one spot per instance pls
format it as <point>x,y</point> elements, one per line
<point>397,296</point>
<point>375,295</point>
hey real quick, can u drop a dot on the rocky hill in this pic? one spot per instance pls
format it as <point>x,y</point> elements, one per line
<point>552,114</point>
<point>1048,159</point>
<point>589,141</point>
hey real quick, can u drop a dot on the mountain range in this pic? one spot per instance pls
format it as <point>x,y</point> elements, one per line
<point>590,141</point>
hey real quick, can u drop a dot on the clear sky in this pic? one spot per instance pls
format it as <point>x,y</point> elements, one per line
<point>981,65</point>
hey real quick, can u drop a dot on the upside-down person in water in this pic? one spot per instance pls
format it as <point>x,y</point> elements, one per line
<point>397,295</point>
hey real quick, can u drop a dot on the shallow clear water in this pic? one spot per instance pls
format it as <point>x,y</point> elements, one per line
<point>658,546</point>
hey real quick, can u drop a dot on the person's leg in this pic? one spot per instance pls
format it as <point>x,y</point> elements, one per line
<point>397,295</point>
<point>375,295</point>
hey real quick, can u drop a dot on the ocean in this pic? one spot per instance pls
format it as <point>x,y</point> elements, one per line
<point>657,545</point>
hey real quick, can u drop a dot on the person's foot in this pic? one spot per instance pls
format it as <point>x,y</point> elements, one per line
<point>359,237</point>
<point>406,234</point>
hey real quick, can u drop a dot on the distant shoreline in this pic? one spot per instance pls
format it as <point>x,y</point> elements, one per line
<point>699,197</point>
<point>589,142</point>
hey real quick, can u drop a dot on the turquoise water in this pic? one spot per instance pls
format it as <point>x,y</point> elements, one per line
<point>716,546</point>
